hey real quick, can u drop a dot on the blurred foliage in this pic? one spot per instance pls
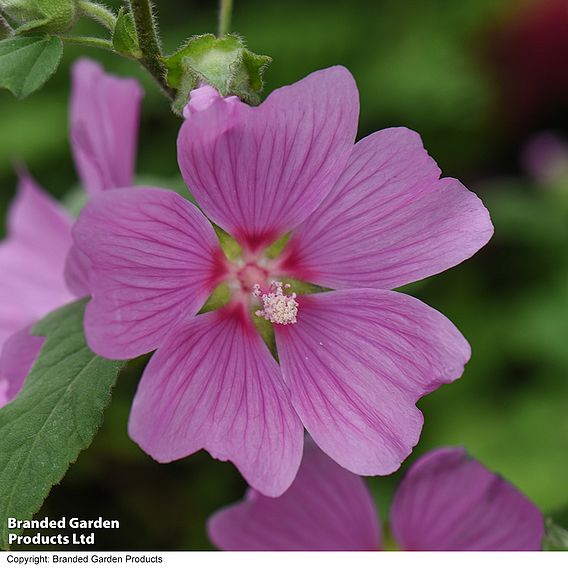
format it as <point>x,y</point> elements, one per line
<point>426,64</point>
<point>556,537</point>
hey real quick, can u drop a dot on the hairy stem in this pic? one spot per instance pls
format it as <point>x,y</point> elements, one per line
<point>89,41</point>
<point>225,13</point>
<point>98,13</point>
<point>149,43</point>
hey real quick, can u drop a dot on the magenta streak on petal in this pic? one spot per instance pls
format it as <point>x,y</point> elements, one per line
<point>449,501</point>
<point>105,113</point>
<point>388,221</point>
<point>259,171</point>
<point>213,384</point>
<point>154,261</point>
<point>356,363</point>
<point>326,508</point>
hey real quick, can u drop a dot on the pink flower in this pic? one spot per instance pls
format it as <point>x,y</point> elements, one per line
<point>446,501</point>
<point>545,158</point>
<point>32,258</point>
<point>104,122</point>
<point>105,113</point>
<point>353,362</point>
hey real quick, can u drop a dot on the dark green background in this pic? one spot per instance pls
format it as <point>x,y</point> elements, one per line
<point>458,73</point>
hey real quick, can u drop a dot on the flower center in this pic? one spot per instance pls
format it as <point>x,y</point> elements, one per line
<point>278,306</point>
<point>250,274</point>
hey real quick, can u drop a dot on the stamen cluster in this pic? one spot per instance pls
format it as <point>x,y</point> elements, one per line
<point>278,307</point>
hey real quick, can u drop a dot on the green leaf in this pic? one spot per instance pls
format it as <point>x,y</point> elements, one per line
<point>555,538</point>
<point>225,63</point>
<point>124,37</point>
<point>27,62</point>
<point>54,417</point>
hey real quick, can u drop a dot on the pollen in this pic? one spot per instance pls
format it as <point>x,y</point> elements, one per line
<point>278,306</point>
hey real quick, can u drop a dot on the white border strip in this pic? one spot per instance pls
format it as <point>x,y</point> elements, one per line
<point>284,559</point>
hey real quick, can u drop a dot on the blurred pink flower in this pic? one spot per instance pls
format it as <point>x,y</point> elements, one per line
<point>446,501</point>
<point>32,258</point>
<point>104,121</point>
<point>545,158</point>
<point>353,362</point>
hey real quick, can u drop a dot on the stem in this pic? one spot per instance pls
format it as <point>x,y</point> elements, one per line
<point>89,41</point>
<point>98,13</point>
<point>149,43</point>
<point>225,13</point>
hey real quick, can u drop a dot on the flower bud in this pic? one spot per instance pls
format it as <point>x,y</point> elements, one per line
<point>224,63</point>
<point>41,15</point>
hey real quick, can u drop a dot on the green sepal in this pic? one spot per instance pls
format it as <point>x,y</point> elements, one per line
<point>220,296</point>
<point>225,63</point>
<point>265,330</point>
<point>27,62</point>
<point>51,16</point>
<point>124,36</point>
<point>275,249</point>
<point>230,246</point>
<point>53,418</point>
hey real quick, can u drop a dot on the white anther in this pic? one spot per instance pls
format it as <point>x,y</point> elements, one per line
<point>278,307</point>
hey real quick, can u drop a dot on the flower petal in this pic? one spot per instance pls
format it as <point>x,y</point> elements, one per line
<point>326,508</point>
<point>154,260</point>
<point>32,258</point>
<point>259,171</point>
<point>4,388</point>
<point>213,384</point>
<point>77,268</point>
<point>356,363</point>
<point>105,112</point>
<point>389,220</point>
<point>17,357</point>
<point>449,501</point>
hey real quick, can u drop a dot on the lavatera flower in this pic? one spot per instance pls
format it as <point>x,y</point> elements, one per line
<point>446,501</point>
<point>104,128</point>
<point>363,218</point>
